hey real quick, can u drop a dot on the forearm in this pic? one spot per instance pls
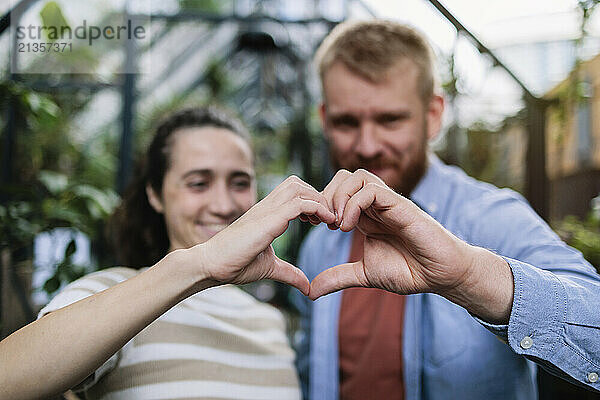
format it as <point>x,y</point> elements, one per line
<point>64,347</point>
<point>488,289</point>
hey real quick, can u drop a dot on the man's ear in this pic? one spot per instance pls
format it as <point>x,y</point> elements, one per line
<point>323,117</point>
<point>434,116</point>
<point>154,200</point>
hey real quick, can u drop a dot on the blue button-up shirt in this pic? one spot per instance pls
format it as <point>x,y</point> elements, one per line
<point>447,353</point>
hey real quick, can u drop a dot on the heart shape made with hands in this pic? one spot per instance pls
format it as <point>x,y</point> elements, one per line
<point>404,249</point>
<point>361,201</point>
<point>386,262</point>
<point>407,251</point>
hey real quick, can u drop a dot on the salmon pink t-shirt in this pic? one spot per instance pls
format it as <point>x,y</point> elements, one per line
<point>370,340</point>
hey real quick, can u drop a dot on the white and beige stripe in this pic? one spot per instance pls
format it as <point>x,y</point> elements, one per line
<point>218,344</point>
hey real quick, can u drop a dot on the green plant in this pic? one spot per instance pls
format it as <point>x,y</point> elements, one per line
<point>55,201</point>
<point>584,235</point>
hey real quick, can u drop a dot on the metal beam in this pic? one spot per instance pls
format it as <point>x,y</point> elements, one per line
<point>46,86</point>
<point>8,144</point>
<point>15,11</point>
<point>219,18</point>
<point>536,180</point>
<point>126,147</point>
<point>128,92</point>
<point>480,46</point>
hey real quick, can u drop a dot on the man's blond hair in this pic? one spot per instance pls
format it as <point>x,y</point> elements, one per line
<point>371,48</point>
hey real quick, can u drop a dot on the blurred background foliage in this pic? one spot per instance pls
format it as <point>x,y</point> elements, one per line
<point>583,234</point>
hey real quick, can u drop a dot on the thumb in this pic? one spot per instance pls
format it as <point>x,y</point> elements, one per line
<point>287,273</point>
<point>337,278</point>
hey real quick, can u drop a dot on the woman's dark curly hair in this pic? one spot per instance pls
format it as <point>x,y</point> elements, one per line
<point>136,231</point>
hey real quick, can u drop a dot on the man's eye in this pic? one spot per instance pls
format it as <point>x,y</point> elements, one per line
<point>391,120</point>
<point>388,120</point>
<point>344,123</point>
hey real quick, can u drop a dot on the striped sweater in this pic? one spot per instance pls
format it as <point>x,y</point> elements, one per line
<point>218,344</point>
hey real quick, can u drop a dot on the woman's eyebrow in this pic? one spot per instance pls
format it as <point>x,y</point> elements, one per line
<point>209,172</point>
<point>197,172</point>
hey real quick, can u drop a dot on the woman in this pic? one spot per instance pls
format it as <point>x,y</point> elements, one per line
<point>191,214</point>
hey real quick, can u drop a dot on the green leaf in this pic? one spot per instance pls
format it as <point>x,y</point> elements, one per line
<point>71,248</point>
<point>62,215</point>
<point>41,105</point>
<point>52,17</point>
<point>105,201</point>
<point>52,285</point>
<point>33,100</point>
<point>53,181</point>
<point>75,272</point>
<point>68,272</point>
<point>583,235</point>
<point>49,107</point>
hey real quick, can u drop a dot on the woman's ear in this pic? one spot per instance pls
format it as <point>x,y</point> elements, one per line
<point>154,200</point>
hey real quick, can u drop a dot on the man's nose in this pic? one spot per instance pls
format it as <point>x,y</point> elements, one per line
<point>367,145</point>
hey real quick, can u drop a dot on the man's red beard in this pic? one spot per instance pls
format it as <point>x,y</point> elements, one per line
<point>407,176</point>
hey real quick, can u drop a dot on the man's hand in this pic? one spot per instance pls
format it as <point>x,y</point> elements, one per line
<point>406,251</point>
<point>242,252</point>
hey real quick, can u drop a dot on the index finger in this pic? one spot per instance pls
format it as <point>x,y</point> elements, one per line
<point>332,186</point>
<point>306,201</point>
<point>348,187</point>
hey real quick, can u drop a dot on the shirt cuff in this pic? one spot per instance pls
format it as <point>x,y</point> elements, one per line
<point>538,311</point>
<point>536,327</point>
<point>501,331</point>
<point>535,309</point>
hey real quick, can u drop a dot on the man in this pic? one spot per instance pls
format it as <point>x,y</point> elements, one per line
<point>379,111</point>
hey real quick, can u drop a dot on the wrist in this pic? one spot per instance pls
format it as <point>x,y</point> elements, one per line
<point>188,268</point>
<point>487,289</point>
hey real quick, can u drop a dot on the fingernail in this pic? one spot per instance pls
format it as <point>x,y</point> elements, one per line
<point>336,216</point>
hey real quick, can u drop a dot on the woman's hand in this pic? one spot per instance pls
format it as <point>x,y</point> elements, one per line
<point>242,252</point>
<point>64,347</point>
